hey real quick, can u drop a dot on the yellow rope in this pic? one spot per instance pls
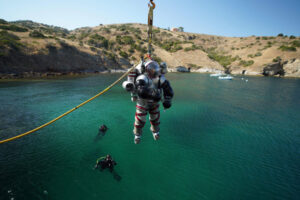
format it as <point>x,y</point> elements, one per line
<point>68,112</point>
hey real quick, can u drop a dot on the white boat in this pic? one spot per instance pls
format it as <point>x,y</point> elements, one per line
<point>214,75</point>
<point>225,77</point>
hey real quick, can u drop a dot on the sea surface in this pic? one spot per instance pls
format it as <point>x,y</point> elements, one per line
<point>220,140</point>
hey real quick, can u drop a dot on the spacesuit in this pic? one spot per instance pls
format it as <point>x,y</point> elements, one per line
<point>147,83</point>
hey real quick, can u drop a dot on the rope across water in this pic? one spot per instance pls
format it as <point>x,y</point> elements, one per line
<point>68,112</point>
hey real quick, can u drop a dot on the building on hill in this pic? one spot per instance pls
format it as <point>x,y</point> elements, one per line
<point>175,29</point>
<point>179,29</point>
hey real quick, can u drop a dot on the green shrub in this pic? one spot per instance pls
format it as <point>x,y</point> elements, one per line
<point>193,47</point>
<point>97,37</point>
<point>258,54</point>
<point>176,48</point>
<point>2,21</point>
<point>190,65</point>
<point>113,26</point>
<point>36,34</point>
<point>123,54</point>
<point>292,37</point>
<point>111,56</point>
<point>255,55</point>
<point>277,59</point>
<point>287,48</point>
<point>127,28</point>
<point>246,63</point>
<point>98,41</point>
<point>124,40</point>
<point>171,46</point>
<point>296,43</point>
<point>111,44</point>
<point>83,35</point>
<point>9,40</point>
<point>13,28</point>
<point>8,36</point>
<point>157,59</point>
<point>155,31</point>
<point>138,37</point>
<point>267,46</point>
<point>93,49</point>
<point>131,50</point>
<point>105,30</point>
<point>280,35</point>
<point>128,40</point>
<point>165,34</point>
<point>119,39</point>
<point>71,37</point>
<point>222,59</point>
<point>265,38</point>
<point>257,38</point>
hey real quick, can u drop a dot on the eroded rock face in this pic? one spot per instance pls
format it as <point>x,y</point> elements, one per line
<point>274,69</point>
<point>182,69</point>
<point>292,68</point>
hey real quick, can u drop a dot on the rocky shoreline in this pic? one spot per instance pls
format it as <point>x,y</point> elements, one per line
<point>288,69</point>
<point>42,75</point>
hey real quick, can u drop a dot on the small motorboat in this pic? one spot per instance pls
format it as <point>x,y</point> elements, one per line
<point>225,77</point>
<point>215,75</point>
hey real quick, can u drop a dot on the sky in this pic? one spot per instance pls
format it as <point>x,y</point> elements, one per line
<point>217,17</point>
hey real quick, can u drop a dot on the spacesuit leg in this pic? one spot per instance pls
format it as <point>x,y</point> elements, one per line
<point>154,118</point>
<point>140,119</point>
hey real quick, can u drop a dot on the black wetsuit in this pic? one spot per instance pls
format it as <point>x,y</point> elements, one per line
<point>107,163</point>
<point>103,129</point>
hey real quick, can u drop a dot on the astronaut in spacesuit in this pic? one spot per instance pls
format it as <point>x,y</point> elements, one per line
<point>148,86</point>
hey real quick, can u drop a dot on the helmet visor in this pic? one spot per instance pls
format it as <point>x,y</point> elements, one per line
<point>152,69</point>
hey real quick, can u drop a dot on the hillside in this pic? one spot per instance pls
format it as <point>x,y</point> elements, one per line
<point>33,49</point>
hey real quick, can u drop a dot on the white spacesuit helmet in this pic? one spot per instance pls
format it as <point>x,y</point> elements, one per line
<point>152,69</point>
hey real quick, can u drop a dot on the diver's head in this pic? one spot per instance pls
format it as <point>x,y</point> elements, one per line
<point>108,156</point>
<point>152,69</point>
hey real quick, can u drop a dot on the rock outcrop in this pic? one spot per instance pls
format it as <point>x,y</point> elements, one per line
<point>292,68</point>
<point>182,69</point>
<point>274,69</point>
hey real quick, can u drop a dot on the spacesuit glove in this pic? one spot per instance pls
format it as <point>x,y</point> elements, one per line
<point>167,104</point>
<point>133,98</point>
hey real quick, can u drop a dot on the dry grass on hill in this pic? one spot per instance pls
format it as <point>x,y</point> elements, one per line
<point>111,45</point>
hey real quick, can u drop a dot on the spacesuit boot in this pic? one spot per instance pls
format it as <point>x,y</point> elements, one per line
<point>137,139</point>
<point>155,136</point>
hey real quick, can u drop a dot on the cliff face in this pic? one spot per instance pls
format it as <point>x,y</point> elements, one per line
<point>63,59</point>
<point>27,46</point>
<point>292,68</point>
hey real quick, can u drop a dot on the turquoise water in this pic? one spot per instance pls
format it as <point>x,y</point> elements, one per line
<point>220,140</point>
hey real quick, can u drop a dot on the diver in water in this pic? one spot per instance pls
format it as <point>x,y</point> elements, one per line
<point>148,86</point>
<point>103,129</point>
<point>107,162</point>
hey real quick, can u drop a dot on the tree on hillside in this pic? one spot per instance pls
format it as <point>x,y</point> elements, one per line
<point>181,29</point>
<point>280,35</point>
